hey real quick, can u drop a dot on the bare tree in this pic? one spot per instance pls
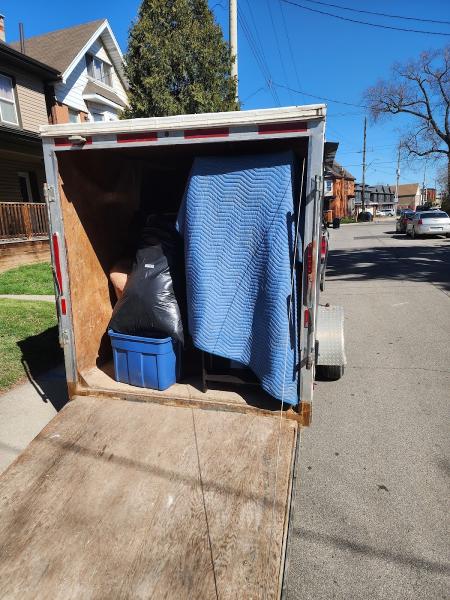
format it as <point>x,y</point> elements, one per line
<point>420,89</point>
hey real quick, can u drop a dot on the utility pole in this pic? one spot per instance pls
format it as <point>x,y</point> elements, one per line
<point>424,189</point>
<point>233,43</point>
<point>363,185</point>
<point>398,178</point>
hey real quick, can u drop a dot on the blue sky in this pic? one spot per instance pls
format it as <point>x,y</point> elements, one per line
<point>333,58</point>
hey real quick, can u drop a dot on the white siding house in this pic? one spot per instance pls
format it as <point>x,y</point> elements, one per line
<point>92,86</point>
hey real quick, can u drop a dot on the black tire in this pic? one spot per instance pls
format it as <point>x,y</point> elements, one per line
<point>329,372</point>
<point>447,235</point>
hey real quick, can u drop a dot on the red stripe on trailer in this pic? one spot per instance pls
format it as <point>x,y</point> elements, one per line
<point>64,141</point>
<point>56,256</point>
<point>145,136</point>
<point>206,133</point>
<point>63,305</point>
<point>283,127</point>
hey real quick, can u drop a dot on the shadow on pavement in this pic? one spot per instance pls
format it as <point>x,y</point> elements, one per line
<point>405,263</point>
<point>334,541</point>
<point>41,355</point>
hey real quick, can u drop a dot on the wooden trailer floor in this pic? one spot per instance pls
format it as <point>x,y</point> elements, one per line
<point>122,499</point>
<point>239,397</point>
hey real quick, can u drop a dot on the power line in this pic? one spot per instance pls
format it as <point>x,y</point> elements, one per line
<point>258,53</point>
<point>321,12</point>
<point>288,38</point>
<point>277,42</point>
<point>378,14</point>
<point>318,97</point>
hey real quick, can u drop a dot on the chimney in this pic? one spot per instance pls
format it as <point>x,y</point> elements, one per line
<point>22,38</point>
<point>2,29</point>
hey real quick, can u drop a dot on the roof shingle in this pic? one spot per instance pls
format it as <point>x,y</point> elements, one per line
<point>59,48</point>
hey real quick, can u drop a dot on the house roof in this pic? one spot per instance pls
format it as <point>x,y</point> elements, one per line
<point>16,58</point>
<point>59,48</point>
<point>408,189</point>
<point>336,170</point>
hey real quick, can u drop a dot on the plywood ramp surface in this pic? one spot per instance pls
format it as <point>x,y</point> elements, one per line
<point>118,499</point>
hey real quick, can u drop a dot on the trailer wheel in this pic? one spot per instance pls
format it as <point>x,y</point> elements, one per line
<point>329,372</point>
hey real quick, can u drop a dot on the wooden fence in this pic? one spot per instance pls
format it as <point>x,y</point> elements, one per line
<point>23,220</point>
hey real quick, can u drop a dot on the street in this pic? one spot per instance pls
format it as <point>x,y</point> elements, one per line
<point>371,512</point>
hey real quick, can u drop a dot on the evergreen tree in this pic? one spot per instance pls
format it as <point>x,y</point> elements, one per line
<point>177,61</point>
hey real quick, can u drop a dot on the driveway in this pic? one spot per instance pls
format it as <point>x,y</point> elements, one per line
<point>371,515</point>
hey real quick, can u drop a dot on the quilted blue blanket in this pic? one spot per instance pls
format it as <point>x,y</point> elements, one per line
<point>238,227</point>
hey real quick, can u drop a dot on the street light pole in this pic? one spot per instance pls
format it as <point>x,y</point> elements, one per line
<point>233,43</point>
<point>363,184</point>
<point>398,178</point>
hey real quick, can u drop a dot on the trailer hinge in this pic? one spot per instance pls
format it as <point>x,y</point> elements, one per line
<point>49,193</point>
<point>64,337</point>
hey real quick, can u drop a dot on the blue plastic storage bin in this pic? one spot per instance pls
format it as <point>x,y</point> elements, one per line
<point>144,362</point>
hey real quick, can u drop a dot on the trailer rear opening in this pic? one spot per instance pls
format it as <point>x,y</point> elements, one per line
<point>100,193</point>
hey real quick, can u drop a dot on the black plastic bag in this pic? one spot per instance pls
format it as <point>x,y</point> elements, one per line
<point>148,306</point>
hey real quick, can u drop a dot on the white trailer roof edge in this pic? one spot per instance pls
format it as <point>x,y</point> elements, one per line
<point>244,117</point>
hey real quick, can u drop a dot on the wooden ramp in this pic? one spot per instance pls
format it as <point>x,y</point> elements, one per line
<point>119,499</point>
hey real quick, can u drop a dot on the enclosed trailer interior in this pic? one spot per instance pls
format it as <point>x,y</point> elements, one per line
<point>102,192</point>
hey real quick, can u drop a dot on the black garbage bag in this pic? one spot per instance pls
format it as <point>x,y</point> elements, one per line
<point>148,306</point>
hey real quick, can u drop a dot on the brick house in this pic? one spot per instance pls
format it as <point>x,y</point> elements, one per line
<point>339,189</point>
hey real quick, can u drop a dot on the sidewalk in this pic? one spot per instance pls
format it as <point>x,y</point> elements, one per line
<point>26,409</point>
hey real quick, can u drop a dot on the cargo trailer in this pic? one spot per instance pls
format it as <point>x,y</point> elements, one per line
<point>180,493</point>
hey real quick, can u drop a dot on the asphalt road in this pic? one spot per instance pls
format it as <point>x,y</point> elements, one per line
<point>371,514</point>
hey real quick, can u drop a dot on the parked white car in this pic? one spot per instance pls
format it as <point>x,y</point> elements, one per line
<point>431,222</point>
<point>385,213</point>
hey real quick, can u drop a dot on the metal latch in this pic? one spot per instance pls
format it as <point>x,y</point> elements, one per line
<point>64,337</point>
<point>49,193</point>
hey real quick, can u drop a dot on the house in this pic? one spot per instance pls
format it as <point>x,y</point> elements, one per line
<point>376,197</point>
<point>339,189</point>
<point>409,195</point>
<point>92,84</point>
<point>23,84</point>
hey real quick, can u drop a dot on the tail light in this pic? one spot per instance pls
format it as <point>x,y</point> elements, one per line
<point>323,247</point>
<point>419,222</point>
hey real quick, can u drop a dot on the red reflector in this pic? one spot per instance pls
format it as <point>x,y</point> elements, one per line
<point>57,259</point>
<point>419,222</point>
<point>63,306</point>
<point>323,247</point>
<point>306,318</point>
<point>206,133</point>
<point>283,127</point>
<point>64,141</point>
<point>145,136</point>
<point>309,259</point>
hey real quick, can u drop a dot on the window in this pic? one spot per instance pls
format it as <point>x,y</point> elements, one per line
<point>433,215</point>
<point>28,186</point>
<point>8,113</point>
<point>74,116</point>
<point>97,116</point>
<point>328,185</point>
<point>98,69</point>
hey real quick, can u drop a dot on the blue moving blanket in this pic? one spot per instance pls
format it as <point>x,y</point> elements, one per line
<point>237,222</point>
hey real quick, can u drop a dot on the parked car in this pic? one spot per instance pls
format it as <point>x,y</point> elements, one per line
<point>430,222</point>
<point>389,212</point>
<point>365,216</point>
<point>400,226</point>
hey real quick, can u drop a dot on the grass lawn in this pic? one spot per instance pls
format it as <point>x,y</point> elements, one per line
<point>28,332</point>
<point>29,279</point>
